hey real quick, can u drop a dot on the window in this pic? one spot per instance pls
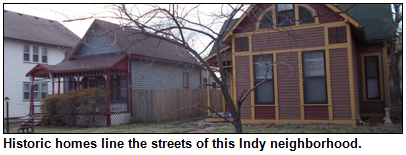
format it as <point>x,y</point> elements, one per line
<point>35,54</point>
<point>305,16</point>
<point>266,21</point>
<point>337,35</point>
<point>26,90</point>
<point>241,44</point>
<point>264,94</point>
<point>314,77</point>
<point>40,91</point>
<point>372,77</point>
<point>285,14</point>
<point>26,53</point>
<point>185,80</point>
<point>44,55</point>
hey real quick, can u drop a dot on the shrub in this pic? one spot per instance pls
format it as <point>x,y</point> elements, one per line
<point>61,110</point>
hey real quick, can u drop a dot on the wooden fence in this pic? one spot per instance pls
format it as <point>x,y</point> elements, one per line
<point>154,105</point>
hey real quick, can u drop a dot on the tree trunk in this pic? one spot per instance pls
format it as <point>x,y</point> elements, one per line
<point>238,126</point>
<point>396,93</point>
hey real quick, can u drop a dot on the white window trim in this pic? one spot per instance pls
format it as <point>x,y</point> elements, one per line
<point>39,91</point>
<point>31,54</point>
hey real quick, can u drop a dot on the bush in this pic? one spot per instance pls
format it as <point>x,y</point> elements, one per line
<point>62,110</point>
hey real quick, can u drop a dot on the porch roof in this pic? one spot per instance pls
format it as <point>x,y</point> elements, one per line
<point>86,63</point>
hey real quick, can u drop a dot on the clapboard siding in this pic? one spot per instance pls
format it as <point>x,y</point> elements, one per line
<point>154,75</point>
<point>288,87</point>
<point>316,112</point>
<point>243,83</point>
<point>304,38</point>
<point>264,112</point>
<point>340,84</point>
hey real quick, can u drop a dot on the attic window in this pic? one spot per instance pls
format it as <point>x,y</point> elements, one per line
<point>241,44</point>
<point>337,35</point>
<point>305,16</point>
<point>266,21</point>
<point>285,14</point>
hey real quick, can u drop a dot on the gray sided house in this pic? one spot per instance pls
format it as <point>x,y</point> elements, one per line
<point>119,59</point>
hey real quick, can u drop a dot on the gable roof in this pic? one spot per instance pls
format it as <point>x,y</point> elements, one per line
<point>35,29</point>
<point>134,44</point>
<point>224,28</point>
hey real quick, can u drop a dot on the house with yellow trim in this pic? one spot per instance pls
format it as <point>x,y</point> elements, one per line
<point>325,63</point>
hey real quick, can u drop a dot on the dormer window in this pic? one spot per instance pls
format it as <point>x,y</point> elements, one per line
<point>286,14</point>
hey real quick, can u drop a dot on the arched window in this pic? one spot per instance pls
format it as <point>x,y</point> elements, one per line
<point>266,21</point>
<point>305,16</point>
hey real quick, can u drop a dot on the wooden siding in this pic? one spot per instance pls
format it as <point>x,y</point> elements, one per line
<point>325,14</point>
<point>340,84</point>
<point>155,75</point>
<point>288,86</point>
<point>248,24</point>
<point>304,38</point>
<point>316,112</point>
<point>98,43</point>
<point>154,105</point>
<point>264,112</point>
<point>356,76</point>
<point>225,56</point>
<point>368,107</point>
<point>243,83</point>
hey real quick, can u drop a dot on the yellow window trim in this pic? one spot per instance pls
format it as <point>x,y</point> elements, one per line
<point>364,91</point>
<point>296,9</point>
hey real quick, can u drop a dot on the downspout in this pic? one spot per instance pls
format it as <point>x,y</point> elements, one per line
<point>385,83</point>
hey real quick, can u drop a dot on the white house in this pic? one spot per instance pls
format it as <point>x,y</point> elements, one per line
<point>28,41</point>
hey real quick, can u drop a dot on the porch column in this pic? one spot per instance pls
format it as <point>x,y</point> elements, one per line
<point>53,83</point>
<point>208,92</point>
<point>77,81</point>
<point>108,97</point>
<point>59,86</point>
<point>32,96</point>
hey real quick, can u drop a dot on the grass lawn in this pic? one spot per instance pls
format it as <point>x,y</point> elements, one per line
<point>311,128</point>
<point>173,126</point>
<point>191,124</point>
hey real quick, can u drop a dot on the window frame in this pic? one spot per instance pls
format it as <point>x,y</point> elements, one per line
<point>364,78</point>
<point>258,80</point>
<point>44,50</point>
<point>275,23</point>
<point>285,11</point>
<point>239,44</point>
<point>35,54</point>
<point>38,94</point>
<point>314,77</point>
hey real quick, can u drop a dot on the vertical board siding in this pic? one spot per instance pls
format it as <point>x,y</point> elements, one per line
<point>264,112</point>
<point>288,86</point>
<point>340,84</point>
<point>154,105</point>
<point>304,38</point>
<point>316,112</point>
<point>243,82</point>
<point>156,75</point>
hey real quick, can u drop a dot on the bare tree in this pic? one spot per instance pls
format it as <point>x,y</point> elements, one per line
<point>394,60</point>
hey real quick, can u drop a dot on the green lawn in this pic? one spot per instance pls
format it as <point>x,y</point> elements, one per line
<point>184,126</point>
